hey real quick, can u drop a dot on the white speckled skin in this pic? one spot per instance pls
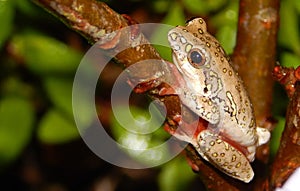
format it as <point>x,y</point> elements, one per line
<point>215,92</point>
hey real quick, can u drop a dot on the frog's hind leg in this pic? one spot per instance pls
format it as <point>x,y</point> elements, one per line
<point>224,156</point>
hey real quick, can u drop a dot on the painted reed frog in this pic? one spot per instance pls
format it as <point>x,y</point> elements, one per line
<point>215,92</point>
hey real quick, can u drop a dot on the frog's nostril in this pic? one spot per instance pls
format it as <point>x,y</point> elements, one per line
<point>205,90</point>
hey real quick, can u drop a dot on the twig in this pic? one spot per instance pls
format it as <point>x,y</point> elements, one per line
<point>288,156</point>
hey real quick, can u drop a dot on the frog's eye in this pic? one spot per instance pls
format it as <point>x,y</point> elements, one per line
<point>196,58</point>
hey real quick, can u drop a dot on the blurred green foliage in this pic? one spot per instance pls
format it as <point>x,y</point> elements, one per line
<point>140,131</point>
<point>37,73</point>
<point>35,48</point>
<point>6,20</point>
<point>17,119</point>
<point>38,66</point>
<point>176,170</point>
<point>289,26</point>
<point>56,128</point>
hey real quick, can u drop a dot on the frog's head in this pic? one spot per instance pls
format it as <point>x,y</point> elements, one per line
<point>196,52</point>
<point>191,55</point>
<point>188,50</point>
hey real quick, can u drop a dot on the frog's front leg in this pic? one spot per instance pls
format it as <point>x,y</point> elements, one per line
<point>185,131</point>
<point>201,105</point>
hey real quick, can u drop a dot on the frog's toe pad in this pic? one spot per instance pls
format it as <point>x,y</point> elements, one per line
<point>263,135</point>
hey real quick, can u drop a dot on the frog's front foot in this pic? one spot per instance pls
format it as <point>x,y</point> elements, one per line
<point>144,86</point>
<point>185,131</point>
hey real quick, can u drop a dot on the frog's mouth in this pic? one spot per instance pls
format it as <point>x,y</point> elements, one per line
<point>177,61</point>
<point>181,67</point>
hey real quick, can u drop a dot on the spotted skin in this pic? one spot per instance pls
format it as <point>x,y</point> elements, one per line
<point>215,92</point>
<point>221,153</point>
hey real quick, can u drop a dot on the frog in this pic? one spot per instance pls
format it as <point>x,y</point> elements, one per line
<point>215,92</point>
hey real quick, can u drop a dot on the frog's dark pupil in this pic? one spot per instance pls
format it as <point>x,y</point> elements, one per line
<point>196,57</point>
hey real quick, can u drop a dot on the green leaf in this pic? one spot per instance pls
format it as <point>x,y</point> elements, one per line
<point>16,125</point>
<point>59,91</point>
<point>276,135</point>
<point>131,135</point>
<point>280,100</point>
<point>227,37</point>
<point>196,7</point>
<point>29,8</point>
<point>214,5</point>
<point>203,7</point>
<point>161,6</point>
<point>227,16</point>
<point>289,60</point>
<point>15,86</point>
<point>55,128</point>
<point>174,17</point>
<point>297,5</point>
<point>179,170</point>
<point>45,55</point>
<point>289,27</point>
<point>6,20</point>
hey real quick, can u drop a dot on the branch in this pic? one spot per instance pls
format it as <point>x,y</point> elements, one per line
<point>255,56</point>
<point>288,155</point>
<point>255,52</point>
